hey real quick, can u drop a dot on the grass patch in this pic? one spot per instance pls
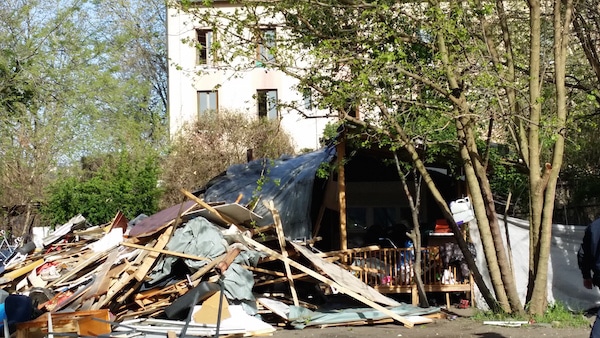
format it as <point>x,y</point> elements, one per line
<point>557,315</point>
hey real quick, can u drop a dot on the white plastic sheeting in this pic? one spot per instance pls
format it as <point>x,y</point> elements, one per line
<point>565,283</point>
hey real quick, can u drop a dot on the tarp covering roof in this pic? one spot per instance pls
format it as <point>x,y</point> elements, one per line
<point>287,181</point>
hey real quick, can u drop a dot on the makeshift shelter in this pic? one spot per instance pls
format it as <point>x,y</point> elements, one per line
<point>287,181</point>
<point>347,211</point>
<point>306,194</point>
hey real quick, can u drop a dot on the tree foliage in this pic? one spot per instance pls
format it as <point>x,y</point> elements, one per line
<point>77,78</point>
<point>436,72</point>
<point>103,186</point>
<point>581,176</point>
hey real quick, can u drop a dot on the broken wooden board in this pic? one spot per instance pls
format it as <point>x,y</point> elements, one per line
<point>155,223</point>
<point>221,218</point>
<point>281,240</point>
<point>279,308</point>
<point>345,277</point>
<point>12,275</point>
<point>150,260</point>
<point>166,252</point>
<point>234,212</point>
<point>98,286</point>
<point>91,259</point>
<point>331,282</point>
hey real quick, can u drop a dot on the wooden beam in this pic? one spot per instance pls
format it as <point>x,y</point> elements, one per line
<point>166,252</point>
<point>330,282</point>
<point>281,238</point>
<point>12,275</point>
<point>206,206</point>
<point>348,251</point>
<point>149,261</point>
<point>91,259</point>
<point>279,280</point>
<point>341,153</point>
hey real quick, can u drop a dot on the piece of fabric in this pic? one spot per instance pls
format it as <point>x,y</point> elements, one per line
<point>197,237</point>
<point>565,283</point>
<point>301,317</point>
<point>452,255</point>
<point>287,181</point>
<point>200,237</point>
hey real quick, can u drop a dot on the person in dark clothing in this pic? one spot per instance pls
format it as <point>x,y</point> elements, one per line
<point>588,259</point>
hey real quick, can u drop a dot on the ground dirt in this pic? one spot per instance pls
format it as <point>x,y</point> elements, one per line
<point>453,326</point>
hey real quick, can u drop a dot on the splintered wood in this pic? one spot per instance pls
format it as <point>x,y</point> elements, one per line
<point>107,269</point>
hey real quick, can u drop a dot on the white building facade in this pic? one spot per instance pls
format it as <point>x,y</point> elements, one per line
<point>198,82</point>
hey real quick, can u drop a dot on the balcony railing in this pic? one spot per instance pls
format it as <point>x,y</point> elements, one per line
<point>391,270</point>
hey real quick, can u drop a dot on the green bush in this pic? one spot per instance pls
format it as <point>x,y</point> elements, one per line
<point>104,186</point>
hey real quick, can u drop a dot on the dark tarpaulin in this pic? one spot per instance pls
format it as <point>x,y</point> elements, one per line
<point>288,181</point>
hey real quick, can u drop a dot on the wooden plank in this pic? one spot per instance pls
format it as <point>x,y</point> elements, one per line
<point>341,153</point>
<point>148,262</point>
<point>281,238</point>
<point>202,203</point>
<point>338,274</point>
<point>279,280</point>
<point>166,252</point>
<point>235,212</point>
<point>271,272</point>
<point>94,291</point>
<point>79,323</point>
<point>90,260</point>
<point>330,282</point>
<point>358,323</point>
<point>141,272</point>
<point>12,275</point>
<point>203,270</point>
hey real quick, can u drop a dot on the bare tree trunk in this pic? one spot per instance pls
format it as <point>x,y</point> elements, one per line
<point>538,301</point>
<point>485,231</point>
<point>415,233</point>
<point>403,138</point>
<point>488,238</point>
<point>485,193</point>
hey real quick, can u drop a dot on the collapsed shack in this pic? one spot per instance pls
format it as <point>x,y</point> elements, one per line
<point>354,209</point>
<point>148,276</point>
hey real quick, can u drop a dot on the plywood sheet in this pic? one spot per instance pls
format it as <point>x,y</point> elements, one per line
<point>234,211</point>
<point>153,224</point>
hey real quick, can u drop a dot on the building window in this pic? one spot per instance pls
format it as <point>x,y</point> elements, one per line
<point>203,48</point>
<point>267,103</point>
<point>208,100</point>
<point>266,42</point>
<point>307,99</point>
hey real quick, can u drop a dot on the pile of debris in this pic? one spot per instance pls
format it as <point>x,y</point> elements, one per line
<point>147,276</point>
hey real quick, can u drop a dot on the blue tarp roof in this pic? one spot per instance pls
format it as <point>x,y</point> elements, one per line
<point>288,181</point>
